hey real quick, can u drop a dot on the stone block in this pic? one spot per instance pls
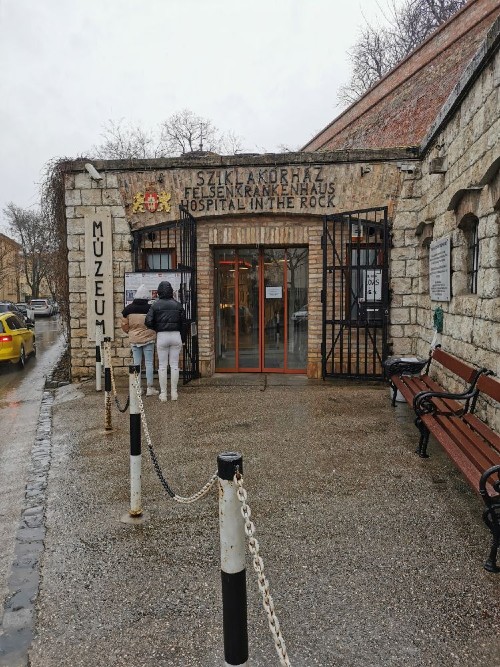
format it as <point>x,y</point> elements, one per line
<point>72,197</point>
<point>74,270</point>
<point>77,285</point>
<point>83,181</point>
<point>398,269</point>
<point>112,197</point>
<point>111,181</point>
<point>400,315</point>
<point>488,283</point>
<point>91,197</point>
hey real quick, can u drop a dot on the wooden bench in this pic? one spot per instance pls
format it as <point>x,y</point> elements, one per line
<point>403,378</point>
<point>471,444</point>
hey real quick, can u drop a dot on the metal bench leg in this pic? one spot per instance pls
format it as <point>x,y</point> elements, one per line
<point>394,394</point>
<point>491,519</point>
<point>423,454</point>
<point>424,439</point>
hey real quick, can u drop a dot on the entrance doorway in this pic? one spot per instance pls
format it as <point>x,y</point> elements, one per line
<point>261,311</point>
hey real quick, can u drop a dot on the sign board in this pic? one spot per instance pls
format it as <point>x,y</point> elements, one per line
<point>372,285</point>
<point>274,292</point>
<point>151,280</point>
<point>440,269</point>
<point>99,273</point>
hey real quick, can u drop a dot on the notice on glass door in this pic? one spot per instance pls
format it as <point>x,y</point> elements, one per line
<point>274,292</point>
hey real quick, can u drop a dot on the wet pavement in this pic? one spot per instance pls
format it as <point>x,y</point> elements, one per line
<point>20,396</point>
<point>374,556</point>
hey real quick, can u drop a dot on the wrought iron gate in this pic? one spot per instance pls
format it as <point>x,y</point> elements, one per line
<point>175,240</point>
<point>187,267</point>
<point>355,294</point>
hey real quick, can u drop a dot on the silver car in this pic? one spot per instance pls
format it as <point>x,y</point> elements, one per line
<point>41,307</point>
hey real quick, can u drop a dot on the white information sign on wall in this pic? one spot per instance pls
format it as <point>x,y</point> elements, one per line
<point>99,273</point>
<point>440,269</point>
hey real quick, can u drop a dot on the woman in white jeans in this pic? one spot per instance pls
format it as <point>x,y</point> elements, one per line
<point>167,317</point>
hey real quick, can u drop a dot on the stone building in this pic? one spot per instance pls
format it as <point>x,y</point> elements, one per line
<point>314,262</point>
<point>11,278</point>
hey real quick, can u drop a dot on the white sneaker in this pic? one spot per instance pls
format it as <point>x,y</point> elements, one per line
<point>151,391</point>
<point>163,398</point>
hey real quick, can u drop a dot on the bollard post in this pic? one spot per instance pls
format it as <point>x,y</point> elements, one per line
<point>135,445</point>
<point>98,360</point>
<point>107,387</point>
<point>233,573</point>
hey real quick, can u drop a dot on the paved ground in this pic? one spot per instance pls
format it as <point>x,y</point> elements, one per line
<point>374,556</point>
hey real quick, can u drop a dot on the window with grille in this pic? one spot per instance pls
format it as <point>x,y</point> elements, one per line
<point>473,256</point>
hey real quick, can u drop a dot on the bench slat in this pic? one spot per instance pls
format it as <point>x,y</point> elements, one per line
<point>455,365</point>
<point>462,462</point>
<point>488,385</point>
<point>485,431</point>
<point>472,445</point>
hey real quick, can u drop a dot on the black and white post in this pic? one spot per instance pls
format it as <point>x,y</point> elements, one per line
<point>107,387</point>
<point>135,444</point>
<point>98,359</point>
<point>233,573</point>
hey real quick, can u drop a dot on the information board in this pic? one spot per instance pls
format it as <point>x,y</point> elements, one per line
<point>440,269</point>
<point>151,280</point>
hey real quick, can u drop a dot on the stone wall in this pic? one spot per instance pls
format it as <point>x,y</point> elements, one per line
<point>459,181</point>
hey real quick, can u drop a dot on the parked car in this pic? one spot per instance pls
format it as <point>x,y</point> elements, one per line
<point>55,306</point>
<point>300,315</point>
<point>17,342</point>
<point>26,311</point>
<point>41,307</point>
<point>10,307</point>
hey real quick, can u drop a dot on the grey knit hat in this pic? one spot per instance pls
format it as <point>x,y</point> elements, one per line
<point>142,293</point>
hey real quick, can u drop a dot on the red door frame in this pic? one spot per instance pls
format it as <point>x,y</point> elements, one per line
<point>261,368</point>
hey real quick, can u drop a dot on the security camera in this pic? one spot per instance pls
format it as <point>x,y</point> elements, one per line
<point>93,172</point>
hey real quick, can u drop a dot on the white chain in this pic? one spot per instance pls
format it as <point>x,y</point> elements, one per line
<point>179,499</point>
<point>258,566</point>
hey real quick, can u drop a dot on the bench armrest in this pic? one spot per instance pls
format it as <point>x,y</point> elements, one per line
<point>495,483</point>
<point>423,404</point>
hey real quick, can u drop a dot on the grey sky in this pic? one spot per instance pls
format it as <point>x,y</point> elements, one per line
<point>269,70</point>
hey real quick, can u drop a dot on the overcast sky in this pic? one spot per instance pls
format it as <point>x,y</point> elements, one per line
<point>268,70</point>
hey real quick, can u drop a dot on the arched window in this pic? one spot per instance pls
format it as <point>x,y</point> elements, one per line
<point>470,227</point>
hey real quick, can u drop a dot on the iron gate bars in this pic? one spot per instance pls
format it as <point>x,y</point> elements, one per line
<point>177,242</point>
<point>355,295</point>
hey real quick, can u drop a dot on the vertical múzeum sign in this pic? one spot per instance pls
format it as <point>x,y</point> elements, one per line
<point>99,273</point>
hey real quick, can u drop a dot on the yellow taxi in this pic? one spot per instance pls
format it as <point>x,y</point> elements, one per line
<point>17,342</point>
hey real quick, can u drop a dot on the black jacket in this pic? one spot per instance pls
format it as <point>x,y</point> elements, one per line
<point>167,314</point>
<point>138,306</point>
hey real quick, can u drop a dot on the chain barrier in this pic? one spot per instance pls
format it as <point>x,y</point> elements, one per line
<point>108,362</point>
<point>258,566</point>
<point>179,499</point>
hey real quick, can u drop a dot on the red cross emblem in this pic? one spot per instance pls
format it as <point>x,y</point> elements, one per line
<point>151,201</point>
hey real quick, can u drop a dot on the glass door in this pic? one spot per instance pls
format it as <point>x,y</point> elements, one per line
<point>274,309</point>
<point>261,310</point>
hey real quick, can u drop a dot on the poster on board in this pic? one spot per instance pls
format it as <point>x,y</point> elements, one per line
<point>151,280</point>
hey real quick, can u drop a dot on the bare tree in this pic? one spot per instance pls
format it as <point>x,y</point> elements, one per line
<point>121,142</point>
<point>183,132</point>
<point>380,48</point>
<point>34,234</point>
